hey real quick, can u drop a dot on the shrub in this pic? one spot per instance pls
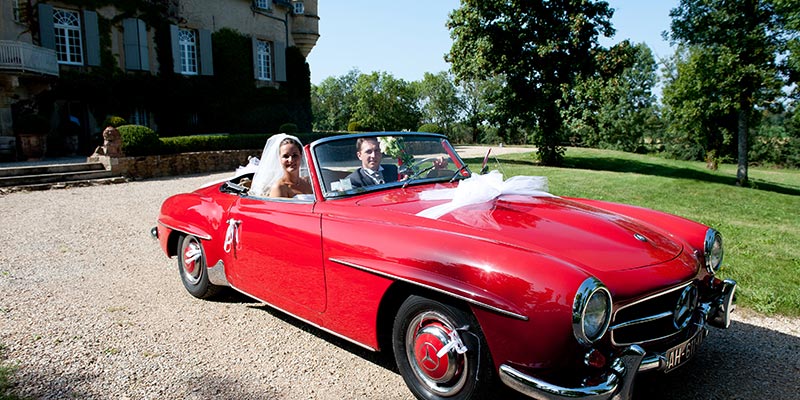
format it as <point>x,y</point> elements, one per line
<point>187,144</point>
<point>774,145</point>
<point>289,128</point>
<point>113,120</point>
<point>430,128</point>
<point>355,126</point>
<point>139,140</point>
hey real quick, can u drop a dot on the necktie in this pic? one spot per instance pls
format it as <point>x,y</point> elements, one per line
<point>377,176</point>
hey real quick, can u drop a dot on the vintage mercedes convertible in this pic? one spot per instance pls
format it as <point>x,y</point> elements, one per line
<point>469,279</point>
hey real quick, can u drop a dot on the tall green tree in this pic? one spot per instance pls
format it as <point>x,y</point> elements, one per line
<point>540,47</point>
<point>788,14</point>
<point>385,103</point>
<point>439,100</point>
<point>333,101</point>
<point>616,107</point>
<point>478,99</point>
<point>742,38</point>
<point>698,104</point>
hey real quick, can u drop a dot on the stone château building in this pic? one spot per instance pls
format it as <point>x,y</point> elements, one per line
<point>58,59</point>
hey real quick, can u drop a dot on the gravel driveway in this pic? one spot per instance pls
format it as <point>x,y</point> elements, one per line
<point>91,309</point>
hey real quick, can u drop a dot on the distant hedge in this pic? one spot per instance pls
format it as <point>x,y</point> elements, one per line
<point>431,128</point>
<point>187,144</point>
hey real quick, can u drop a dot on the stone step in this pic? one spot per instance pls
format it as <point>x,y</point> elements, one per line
<point>51,178</point>
<point>50,169</point>
<point>63,185</point>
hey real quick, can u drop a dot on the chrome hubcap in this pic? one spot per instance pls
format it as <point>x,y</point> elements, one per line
<point>192,261</point>
<point>433,355</point>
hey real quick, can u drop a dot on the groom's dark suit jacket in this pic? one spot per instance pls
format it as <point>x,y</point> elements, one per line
<point>360,178</point>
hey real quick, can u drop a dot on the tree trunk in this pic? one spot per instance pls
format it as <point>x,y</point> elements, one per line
<point>741,171</point>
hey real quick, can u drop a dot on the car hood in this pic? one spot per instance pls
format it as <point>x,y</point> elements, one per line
<point>592,238</point>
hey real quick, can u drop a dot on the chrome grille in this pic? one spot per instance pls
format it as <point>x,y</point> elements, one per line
<point>647,320</point>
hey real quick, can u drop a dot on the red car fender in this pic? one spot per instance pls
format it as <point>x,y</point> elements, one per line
<point>196,215</point>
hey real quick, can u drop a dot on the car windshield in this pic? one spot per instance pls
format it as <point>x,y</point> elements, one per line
<point>364,162</point>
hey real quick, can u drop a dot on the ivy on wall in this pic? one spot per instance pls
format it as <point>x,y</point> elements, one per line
<point>229,101</point>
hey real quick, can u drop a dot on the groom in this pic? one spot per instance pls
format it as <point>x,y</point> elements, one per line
<point>371,171</point>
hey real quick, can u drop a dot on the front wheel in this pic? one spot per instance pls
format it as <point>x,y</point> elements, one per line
<point>440,351</point>
<point>193,270</point>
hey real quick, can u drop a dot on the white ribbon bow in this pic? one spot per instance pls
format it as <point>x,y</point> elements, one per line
<point>232,235</point>
<point>482,189</point>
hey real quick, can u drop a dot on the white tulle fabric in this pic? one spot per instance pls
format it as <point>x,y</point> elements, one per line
<point>269,169</point>
<point>482,189</point>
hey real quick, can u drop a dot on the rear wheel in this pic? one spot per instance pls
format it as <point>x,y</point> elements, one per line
<point>440,351</point>
<point>192,268</point>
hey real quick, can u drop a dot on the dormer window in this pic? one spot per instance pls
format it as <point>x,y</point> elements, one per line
<point>299,8</point>
<point>261,4</point>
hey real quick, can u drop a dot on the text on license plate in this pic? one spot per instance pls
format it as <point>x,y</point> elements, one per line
<point>681,353</point>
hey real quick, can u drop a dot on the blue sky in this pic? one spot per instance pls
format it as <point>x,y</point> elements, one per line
<point>409,38</point>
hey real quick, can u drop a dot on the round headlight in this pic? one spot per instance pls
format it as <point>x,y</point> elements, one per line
<point>712,250</point>
<point>591,311</point>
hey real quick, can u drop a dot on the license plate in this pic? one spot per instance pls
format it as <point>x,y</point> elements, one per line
<point>681,353</point>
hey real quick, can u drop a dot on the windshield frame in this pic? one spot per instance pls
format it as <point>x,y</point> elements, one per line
<point>457,167</point>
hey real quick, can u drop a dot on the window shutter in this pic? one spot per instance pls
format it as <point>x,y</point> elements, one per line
<point>206,58</point>
<point>144,55</point>
<point>92,38</point>
<point>130,38</point>
<point>254,45</point>
<point>176,49</point>
<point>47,34</point>
<point>280,61</point>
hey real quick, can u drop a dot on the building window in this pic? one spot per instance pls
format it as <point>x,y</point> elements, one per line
<point>67,25</point>
<point>262,4</point>
<point>140,116</point>
<point>187,40</point>
<point>16,11</point>
<point>264,60</point>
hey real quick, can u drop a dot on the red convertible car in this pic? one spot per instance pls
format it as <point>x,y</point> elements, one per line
<point>469,279</point>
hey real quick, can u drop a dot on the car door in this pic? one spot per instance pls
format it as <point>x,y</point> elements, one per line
<point>276,253</point>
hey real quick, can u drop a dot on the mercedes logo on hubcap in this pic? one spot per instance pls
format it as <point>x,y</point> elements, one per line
<point>429,362</point>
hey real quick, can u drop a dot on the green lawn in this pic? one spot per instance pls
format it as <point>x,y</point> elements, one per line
<point>6,371</point>
<point>760,225</point>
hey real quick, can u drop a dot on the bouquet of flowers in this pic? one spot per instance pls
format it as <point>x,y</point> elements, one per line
<point>395,147</point>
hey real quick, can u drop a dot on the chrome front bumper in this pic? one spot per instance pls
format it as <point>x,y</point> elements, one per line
<point>617,382</point>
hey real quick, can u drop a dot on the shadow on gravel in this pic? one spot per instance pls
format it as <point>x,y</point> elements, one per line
<point>743,362</point>
<point>221,388</point>
<point>69,386</point>
<point>228,295</point>
<point>384,359</point>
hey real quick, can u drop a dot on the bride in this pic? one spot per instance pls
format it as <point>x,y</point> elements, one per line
<point>282,170</point>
